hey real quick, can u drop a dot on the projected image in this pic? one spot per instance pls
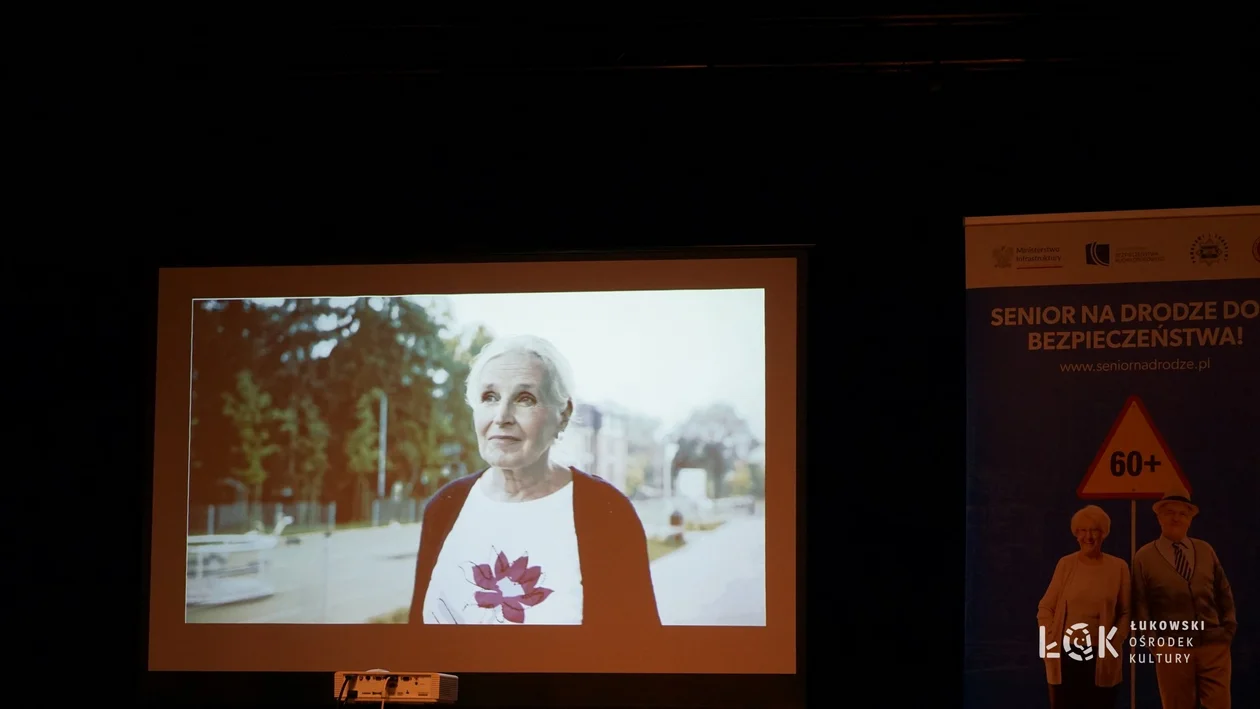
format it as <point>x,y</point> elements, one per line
<point>579,458</point>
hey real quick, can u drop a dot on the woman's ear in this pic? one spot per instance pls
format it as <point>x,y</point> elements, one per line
<point>566,415</point>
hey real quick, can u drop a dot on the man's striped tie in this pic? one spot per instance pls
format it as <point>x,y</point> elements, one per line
<point>1183,566</point>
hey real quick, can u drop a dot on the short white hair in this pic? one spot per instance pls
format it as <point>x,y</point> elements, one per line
<point>1092,513</point>
<point>557,374</point>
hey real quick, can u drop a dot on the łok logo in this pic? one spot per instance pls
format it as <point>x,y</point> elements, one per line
<point>1078,644</point>
<point>1255,248</point>
<point>1097,254</point>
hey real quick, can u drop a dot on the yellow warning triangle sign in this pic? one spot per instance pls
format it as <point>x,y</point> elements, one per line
<point>1134,462</point>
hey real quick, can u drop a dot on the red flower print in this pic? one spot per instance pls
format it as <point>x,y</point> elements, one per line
<point>510,587</point>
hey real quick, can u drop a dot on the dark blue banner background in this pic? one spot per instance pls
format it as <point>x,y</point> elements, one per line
<point>1033,431</point>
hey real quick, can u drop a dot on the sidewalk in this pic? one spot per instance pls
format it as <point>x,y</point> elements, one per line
<point>718,578</point>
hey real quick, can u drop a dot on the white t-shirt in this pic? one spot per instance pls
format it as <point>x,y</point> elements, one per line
<point>508,563</point>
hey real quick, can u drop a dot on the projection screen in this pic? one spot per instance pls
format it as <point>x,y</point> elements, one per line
<point>589,465</point>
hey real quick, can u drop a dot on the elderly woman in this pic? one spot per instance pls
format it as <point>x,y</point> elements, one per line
<point>1089,588</point>
<point>528,540</point>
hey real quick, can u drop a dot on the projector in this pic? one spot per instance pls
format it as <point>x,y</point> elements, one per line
<point>382,686</point>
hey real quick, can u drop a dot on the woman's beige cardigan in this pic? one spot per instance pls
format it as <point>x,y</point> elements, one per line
<point>1052,615</point>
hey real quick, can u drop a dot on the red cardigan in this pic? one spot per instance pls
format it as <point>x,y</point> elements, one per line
<point>612,551</point>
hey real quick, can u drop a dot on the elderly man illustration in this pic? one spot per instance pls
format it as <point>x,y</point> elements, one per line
<point>1179,580</point>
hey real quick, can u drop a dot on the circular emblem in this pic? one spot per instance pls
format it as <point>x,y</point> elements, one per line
<point>1079,645</point>
<point>1255,248</point>
<point>1209,250</point>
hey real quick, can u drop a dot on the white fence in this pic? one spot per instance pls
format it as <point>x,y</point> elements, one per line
<point>242,517</point>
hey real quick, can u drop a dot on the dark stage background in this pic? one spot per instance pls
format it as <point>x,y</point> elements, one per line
<point>150,141</point>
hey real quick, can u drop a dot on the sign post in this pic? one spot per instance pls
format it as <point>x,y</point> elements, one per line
<point>1134,463</point>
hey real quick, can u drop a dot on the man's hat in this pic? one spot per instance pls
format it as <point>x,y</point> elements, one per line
<point>1177,497</point>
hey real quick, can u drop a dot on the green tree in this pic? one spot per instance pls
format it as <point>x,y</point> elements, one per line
<point>758,475</point>
<point>636,472</point>
<point>223,346</point>
<point>713,438</point>
<point>363,445</point>
<point>741,481</point>
<point>390,345</point>
<point>252,414</point>
<point>294,329</point>
<point>462,427</point>
<point>308,435</point>
<point>322,363</point>
<point>423,433</point>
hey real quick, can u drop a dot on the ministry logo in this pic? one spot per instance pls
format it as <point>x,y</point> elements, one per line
<point>1097,254</point>
<point>1002,256</point>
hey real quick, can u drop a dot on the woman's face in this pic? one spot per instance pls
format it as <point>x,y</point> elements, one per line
<point>1089,536</point>
<point>514,428</point>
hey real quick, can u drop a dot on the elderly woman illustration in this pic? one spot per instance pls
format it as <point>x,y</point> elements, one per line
<point>527,540</point>
<point>1089,589</point>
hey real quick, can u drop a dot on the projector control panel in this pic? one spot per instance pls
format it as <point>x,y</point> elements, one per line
<point>395,687</point>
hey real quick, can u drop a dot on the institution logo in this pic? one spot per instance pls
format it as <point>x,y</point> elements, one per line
<point>1255,249</point>
<point>1003,256</point>
<point>1078,644</point>
<point>1209,250</point>
<point>1097,254</point>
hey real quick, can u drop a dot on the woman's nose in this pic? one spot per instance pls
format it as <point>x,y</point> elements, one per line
<point>503,413</point>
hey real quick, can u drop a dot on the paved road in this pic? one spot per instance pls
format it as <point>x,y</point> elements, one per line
<point>718,578</point>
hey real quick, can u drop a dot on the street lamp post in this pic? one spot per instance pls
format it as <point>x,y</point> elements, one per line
<point>380,458</point>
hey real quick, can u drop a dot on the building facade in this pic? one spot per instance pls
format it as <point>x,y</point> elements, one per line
<point>608,441</point>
